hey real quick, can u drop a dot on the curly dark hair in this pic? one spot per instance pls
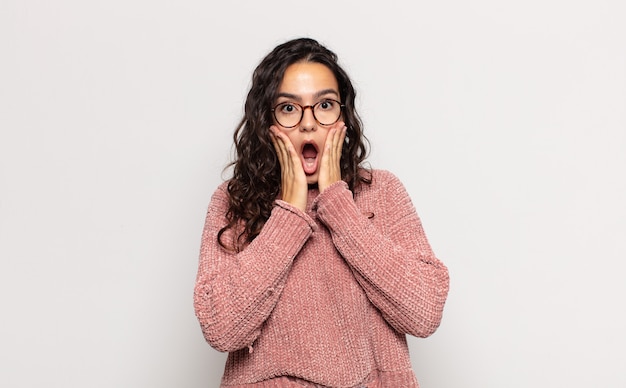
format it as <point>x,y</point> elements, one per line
<point>256,180</point>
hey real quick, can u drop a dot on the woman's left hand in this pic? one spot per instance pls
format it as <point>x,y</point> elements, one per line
<point>330,166</point>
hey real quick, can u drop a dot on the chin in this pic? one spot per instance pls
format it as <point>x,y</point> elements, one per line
<point>311,180</point>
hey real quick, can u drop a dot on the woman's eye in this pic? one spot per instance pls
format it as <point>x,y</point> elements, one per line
<point>326,104</point>
<point>288,108</point>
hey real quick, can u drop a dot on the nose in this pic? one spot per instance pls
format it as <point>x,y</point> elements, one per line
<point>308,122</point>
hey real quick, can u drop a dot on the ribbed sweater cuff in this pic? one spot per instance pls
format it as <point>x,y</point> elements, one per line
<point>287,214</point>
<point>335,204</point>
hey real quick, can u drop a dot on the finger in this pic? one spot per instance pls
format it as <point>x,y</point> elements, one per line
<point>328,148</point>
<point>340,142</point>
<point>290,158</point>
<point>329,166</point>
<point>329,143</point>
<point>278,146</point>
<point>282,148</point>
<point>336,144</point>
<point>294,158</point>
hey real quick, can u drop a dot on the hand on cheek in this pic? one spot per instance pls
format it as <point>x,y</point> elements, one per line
<point>294,188</point>
<point>330,166</point>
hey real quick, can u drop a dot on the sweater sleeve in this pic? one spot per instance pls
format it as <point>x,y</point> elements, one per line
<point>236,292</point>
<point>388,253</point>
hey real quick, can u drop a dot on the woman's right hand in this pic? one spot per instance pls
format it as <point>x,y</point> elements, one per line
<point>294,188</point>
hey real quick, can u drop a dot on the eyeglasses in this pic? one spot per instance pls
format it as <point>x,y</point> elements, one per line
<point>325,112</point>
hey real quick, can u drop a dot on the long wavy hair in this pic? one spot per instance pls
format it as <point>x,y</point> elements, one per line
<point>256,180</point>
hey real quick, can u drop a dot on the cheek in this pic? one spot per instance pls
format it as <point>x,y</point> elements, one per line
<point>292,138</point>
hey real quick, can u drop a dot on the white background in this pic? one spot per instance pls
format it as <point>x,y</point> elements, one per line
<point>505,120</point>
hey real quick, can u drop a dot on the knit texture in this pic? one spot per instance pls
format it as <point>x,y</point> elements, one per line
<point>322,298</point>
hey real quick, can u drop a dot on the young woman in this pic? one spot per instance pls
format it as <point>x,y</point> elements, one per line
<point>312,267</point>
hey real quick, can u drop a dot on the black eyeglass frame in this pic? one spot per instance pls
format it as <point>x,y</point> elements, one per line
<point>341,106</point>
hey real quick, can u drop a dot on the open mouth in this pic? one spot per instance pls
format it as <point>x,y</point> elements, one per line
<point>309,158</point>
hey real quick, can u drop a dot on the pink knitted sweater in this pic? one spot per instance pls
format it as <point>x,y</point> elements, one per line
<point>322,297</point>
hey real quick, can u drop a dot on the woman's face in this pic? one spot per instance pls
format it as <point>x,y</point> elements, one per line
<point>307,83</point>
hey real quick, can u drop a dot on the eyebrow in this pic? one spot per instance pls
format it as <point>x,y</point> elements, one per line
<point>317,95</point>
